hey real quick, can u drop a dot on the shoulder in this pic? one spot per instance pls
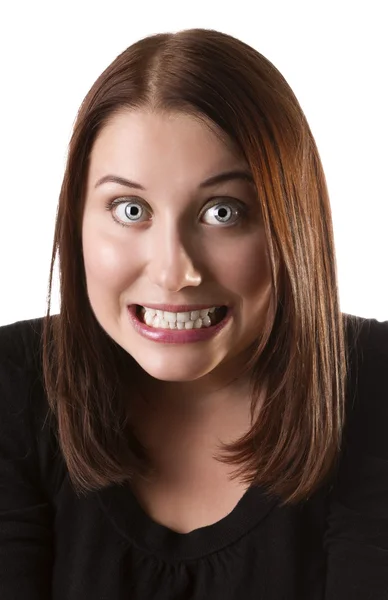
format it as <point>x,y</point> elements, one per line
<point>20,366</point>
<point>369,337</point>
<point>367,410</point>
<point>356,536</point>
<point>20,342</point>
<point>26,468</point>
<point>27,426</point>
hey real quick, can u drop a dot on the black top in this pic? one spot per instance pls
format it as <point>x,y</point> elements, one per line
<point>103,546</point>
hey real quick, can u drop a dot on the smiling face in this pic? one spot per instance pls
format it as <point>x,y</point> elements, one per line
<point>174,233</point>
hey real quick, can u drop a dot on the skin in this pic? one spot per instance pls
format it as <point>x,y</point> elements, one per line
<point>178,253</point>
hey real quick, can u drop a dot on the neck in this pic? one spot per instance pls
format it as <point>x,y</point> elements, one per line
<point>183,431</point>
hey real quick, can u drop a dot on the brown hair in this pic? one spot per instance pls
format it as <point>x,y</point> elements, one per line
<point>294,444</point>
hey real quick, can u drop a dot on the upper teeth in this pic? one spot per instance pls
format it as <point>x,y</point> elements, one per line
<point>181,317</point>
<point>177,320</point>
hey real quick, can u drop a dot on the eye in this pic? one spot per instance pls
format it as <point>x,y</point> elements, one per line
<point>126,211</point>
<point>226,213</point>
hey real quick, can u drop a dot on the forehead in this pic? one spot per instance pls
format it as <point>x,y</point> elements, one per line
<point>141,139</point>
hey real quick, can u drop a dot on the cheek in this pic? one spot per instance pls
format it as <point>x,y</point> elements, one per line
<point>106,260</point>
<point>246,269</point>
<point>255,270</point>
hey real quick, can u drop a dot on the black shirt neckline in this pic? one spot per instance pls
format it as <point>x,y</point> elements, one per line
<point>136,526</point>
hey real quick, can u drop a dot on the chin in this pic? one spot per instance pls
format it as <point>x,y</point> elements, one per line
<point>178,371</point>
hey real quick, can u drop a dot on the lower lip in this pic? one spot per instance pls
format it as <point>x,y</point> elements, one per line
<point>176,336</point>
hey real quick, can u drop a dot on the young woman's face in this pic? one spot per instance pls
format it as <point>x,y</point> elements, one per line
<point>175,234</point>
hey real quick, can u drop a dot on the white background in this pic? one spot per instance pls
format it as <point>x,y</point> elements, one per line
<point>334,54</point>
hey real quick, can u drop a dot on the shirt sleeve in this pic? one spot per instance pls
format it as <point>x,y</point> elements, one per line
<point>356,538</point>
<point>26,548</point>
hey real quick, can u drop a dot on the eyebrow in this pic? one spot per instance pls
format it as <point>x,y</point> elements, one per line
<point>242,175</point>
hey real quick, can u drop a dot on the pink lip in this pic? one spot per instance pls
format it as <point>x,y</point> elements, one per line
<point>176,336</point>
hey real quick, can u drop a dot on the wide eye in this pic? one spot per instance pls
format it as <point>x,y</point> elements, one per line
<point>127,211</point>
<point>222,212</point>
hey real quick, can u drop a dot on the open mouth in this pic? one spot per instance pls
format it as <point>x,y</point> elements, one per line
<point>197,319</point>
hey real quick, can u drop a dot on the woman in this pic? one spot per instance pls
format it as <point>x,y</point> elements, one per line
<point>200,420</point>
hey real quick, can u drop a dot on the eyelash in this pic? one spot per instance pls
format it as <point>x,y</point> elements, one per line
<point>241,208</point>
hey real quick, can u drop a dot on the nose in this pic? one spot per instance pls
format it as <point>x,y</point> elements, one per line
<point>171,265</point>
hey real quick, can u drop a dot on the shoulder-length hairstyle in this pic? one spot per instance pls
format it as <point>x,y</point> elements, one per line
<point>293,445</point>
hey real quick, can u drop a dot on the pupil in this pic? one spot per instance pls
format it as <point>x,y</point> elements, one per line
<point>223,213</point>
<point>132,211</point>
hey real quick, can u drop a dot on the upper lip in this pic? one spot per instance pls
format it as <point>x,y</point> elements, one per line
<point>179,307</point>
